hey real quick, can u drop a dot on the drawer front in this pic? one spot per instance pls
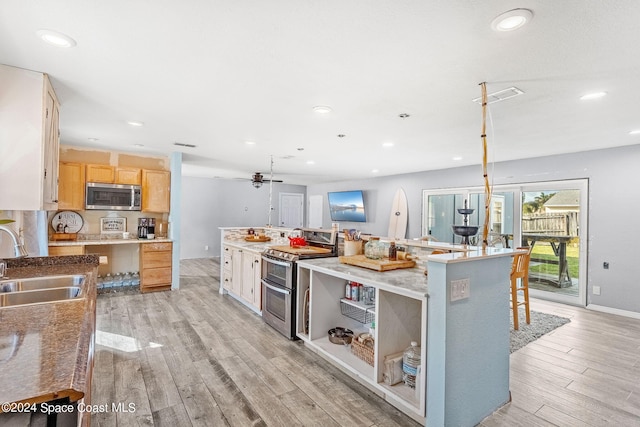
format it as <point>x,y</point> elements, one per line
<point>157,246</point>
<point>227,261</point>
<point>156,259</point>
<point>155,277</point>
<point>66,250</point>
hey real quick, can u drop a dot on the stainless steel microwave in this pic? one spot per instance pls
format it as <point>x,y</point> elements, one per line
<point>112,197</point>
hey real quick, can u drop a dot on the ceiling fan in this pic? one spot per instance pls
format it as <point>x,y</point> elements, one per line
<point>258,179</point>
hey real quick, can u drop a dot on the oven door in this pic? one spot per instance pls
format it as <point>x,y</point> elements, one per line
<point>278,309</point>
<point>278,272</point>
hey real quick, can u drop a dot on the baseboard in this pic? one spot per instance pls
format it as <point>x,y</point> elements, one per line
<point>604,309</point>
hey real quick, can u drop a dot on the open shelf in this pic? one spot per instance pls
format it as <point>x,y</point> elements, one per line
<point>358,311</point>
<point>343,354</point>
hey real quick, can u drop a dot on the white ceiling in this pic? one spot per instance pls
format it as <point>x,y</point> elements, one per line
<point>218,73</point>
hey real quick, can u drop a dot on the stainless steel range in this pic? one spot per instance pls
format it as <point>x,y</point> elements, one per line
<point>279,279</point>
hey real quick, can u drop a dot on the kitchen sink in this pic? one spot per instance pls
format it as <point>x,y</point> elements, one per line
<point>40,283</point>
<point>8,299</point>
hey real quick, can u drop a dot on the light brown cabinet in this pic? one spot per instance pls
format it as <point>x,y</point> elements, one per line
<point>101,173</point>
<point>155,266</point>
<point>29,141</point>
<point>132,176</point>
<point>66,250</point>
<point>71,184</point>
<point>156,186</point>
<point>114,174</point>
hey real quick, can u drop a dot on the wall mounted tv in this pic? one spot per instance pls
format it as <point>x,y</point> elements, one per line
<point>347,206</point>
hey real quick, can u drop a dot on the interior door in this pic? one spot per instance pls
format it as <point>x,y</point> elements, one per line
<point>291,210</point>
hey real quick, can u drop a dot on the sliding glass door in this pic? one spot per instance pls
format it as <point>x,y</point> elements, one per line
<point>551,217</point>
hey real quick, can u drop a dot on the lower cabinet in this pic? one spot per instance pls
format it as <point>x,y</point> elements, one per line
<point>251,288</point>
<point>155,266</point>
<point>227,267</point>
<point>241,275</point>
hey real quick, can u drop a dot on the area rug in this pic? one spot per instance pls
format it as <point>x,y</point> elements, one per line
<point>541,323</point>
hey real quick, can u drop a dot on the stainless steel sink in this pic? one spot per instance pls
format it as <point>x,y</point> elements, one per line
<point>9,299</point>
<point>39,283</point>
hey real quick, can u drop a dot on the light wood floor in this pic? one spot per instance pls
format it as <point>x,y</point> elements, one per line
<point>193,357</point>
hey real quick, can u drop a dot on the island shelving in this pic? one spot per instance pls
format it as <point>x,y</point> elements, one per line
<point>464,370</point>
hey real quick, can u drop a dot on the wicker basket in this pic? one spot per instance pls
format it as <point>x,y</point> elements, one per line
<point>363,350</point>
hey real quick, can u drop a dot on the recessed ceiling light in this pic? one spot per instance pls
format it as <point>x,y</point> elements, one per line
<point>138,145</point>
<point>594,95</point>
<point>55,38</point>
<point>93,139</point>
<point>135,123</point>
<point>322,109</point>
<point>375,171</point>
<point>341,135</point>
<point>387,144</point>
<point>404,115</point>
<point>311,162</point>
<point>457,158</point>
<point>635,132</point>
<point>511,20</point>
<point>250,142</point>
<point>300,149</point>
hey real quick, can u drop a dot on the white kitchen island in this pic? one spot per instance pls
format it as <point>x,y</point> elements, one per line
<point>464,372</point>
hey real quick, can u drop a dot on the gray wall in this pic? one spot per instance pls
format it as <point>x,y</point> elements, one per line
<point>211,203</point>
<point>613,197</point>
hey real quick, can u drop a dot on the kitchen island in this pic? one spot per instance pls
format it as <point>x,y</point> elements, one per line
<point>463,332</point>
<point>47,351</point>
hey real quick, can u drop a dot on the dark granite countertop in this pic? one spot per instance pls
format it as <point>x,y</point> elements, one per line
<point>46,349</point>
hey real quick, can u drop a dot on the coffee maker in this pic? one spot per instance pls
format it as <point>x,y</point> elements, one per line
<point>146,226</point>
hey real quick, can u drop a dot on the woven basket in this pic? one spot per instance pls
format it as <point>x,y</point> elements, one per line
<point>363,350</point>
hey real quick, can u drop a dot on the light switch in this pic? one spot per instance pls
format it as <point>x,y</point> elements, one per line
<point>459,289</point>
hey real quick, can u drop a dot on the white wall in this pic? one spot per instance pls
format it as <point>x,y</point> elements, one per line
<point>209,203</point>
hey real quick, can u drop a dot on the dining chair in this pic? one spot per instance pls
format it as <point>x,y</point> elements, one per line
<point>520,282</point>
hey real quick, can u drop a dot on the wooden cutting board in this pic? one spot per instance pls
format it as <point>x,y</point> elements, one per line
<point>376,264</point>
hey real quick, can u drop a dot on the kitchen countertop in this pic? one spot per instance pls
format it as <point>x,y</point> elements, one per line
<point>410,282</point>
<point>257,247</point>
<point>106,241</point>
<point>54,340</point>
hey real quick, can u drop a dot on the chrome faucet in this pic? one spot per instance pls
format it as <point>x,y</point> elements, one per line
<point>18,247</point>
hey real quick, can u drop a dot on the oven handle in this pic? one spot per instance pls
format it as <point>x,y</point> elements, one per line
<point>280,263</point>
<point>277,289</point>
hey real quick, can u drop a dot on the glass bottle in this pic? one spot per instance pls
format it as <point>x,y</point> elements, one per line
<point>374,249</point>
<point>393,251</point>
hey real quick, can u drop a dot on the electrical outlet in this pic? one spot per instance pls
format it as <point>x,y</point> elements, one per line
<point>459,289</point>
<point>206,247</point>
<point>596,290</point>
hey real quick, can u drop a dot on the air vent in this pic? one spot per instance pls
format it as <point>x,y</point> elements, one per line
<point>501,95</point>
<point>181,144</point>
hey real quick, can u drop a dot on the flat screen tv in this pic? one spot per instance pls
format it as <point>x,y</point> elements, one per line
<point>347,206</point>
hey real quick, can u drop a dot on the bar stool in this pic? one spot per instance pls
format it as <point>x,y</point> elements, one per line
<point>520,270</point>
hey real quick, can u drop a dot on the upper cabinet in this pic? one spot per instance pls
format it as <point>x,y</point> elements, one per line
<point>71,186</point>
<point>156,186</point>
<point>114,174</point>
<point>101,173</point>
<point>29,140</point>
<point>131,176</point>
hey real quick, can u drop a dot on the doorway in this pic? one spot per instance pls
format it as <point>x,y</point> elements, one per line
<point>550,216</point>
